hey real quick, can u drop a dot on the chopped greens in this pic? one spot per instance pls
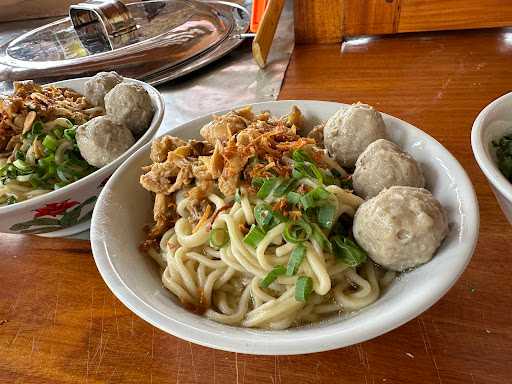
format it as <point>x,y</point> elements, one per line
<point>504,155</point>
<point>277,271</point>
<point>348,251</point>
<point>47,159</point>
<point>303,288</point>
<point>219,237</point>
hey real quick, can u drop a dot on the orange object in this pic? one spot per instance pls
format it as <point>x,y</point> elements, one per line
<point>258,9</point>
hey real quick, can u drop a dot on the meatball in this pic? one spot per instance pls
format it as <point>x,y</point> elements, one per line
<point>351,130</point>
<point>99,85</point>
<point>401,227</point>
<point>101,140</point>
<point>130,105</point>
<point>382,165</point>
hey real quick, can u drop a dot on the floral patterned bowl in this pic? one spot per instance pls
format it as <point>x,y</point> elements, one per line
<point>68,210</point>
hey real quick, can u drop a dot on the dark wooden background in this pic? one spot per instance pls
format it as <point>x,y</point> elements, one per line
<point>59,323</point>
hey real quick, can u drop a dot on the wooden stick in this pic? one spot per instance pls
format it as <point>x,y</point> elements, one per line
<point>266,31</point>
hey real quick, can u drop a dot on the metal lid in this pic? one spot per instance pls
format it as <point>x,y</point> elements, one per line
<point>138,40</point>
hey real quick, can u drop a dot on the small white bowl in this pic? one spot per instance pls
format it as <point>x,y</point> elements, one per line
<point>491,124</point>
<point>55,213</point>
<point>124,207</point>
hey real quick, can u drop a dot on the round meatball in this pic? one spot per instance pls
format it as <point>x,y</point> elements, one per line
<point>382,165</point>
<point>99,85</point>
<point>401,227</point>
<point>130,105</point>
<point>351,130</point>
<point>101,140</point>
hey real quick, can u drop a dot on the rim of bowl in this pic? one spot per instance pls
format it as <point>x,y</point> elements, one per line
<point>139,144</point>
<point>326,339</point>
<point>485,162</point>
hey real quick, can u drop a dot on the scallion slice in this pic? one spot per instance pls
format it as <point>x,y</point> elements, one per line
<point>277,271</point>
<point>301,155</point>
<point>22,165</point>
<point>319,236</point>
<point>295,260</point>
<point>303,288</point>
<point>348,251</point>
<point>69,134</point>
<point>326,215</point>
<point>50,143</point>
<point>312,198</point>
<point>293,197</point>
<point>267,187</point>
<point>284,187</point>
<point>37,128</point>
<point>263,215</point>
<point>257,182</point>
<point>297,231</point>
<point>219,237</point>
<point>254,236</point>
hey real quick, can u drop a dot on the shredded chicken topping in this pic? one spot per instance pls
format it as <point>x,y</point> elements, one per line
<point>237,147</point>
<point>18,111</point>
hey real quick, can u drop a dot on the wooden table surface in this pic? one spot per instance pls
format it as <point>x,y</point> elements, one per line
<point>59,323</point>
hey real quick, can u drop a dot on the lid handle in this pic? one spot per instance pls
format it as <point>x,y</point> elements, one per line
<point>103,25</point>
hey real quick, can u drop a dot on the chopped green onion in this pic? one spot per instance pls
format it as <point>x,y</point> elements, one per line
<point>22,165</point>
<point>254,236</point>
<point>69,134</point>
<point>19,155</point>
<point>267,187</point>
<point>326,215</point>
<point>293,197</point>
<point>348,251</point>
<point>277,271</point>
<point>303,288</point>
<point>263,215</point>
<point>58,132</point>
<point>295,260</point>
<point>310,199</point>
<point>35,180</point>
<point>285,187</point>
<point>257,182</point>
<point>307,169</point>
<point>219,237</point>
<point>37,128</point>
<point>297,231</point>
<point>62,175</point>
<point>319,236</point>
<point>301,155</point>
<point>50,143</point>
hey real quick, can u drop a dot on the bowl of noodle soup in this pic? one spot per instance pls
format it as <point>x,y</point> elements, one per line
<point>67,210</point>
<point>253,321</point>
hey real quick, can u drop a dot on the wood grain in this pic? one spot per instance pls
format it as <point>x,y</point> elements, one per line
<point>371,17</point>
<point>430,15</point>
<point>59,323</point>
<point>318,21</point>
<point>327,21</point>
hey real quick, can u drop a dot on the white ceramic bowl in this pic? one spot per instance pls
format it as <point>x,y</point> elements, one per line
<point>491,124</point>
<point>124,207</point>
<point>68,210</point>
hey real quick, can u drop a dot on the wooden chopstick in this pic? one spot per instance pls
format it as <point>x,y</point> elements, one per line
<point>266,31</point>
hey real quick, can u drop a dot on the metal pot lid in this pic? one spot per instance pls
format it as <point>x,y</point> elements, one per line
<point>140,40</point>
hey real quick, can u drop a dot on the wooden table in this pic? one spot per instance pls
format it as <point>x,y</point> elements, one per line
<point>59,323</point>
